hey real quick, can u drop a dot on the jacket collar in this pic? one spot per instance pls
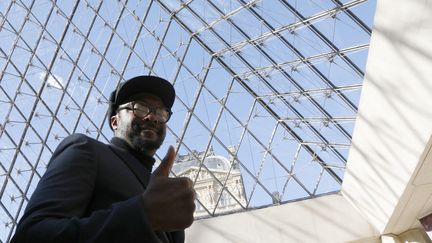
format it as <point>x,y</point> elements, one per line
<point>146,160</point>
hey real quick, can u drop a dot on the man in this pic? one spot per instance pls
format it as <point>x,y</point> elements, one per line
<point>96,192</point>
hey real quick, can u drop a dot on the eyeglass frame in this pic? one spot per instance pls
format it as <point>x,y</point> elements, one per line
<point>131,107</point>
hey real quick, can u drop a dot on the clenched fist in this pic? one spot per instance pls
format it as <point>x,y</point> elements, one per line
<point>169,202</point>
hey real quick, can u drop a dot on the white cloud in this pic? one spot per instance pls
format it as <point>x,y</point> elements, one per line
<point>53,81</point>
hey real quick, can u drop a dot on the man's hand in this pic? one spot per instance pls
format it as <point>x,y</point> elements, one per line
<point>169,202</point>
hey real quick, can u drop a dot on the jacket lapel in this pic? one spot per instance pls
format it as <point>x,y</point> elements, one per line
<point>140,172</point>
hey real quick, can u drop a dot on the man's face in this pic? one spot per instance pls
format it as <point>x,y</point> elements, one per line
<point>143,134</point>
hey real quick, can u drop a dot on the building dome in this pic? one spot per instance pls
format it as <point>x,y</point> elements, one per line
<point>214,162</point>
<point>217,163</point>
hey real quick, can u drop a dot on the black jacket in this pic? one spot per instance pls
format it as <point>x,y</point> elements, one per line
<point>91,192</point>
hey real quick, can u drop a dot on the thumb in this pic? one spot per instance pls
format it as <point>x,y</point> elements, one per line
<point>166,164</point>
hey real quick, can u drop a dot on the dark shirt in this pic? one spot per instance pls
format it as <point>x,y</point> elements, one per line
<point>146,160</point>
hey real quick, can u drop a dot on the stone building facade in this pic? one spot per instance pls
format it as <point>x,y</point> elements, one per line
<point>218,182</point>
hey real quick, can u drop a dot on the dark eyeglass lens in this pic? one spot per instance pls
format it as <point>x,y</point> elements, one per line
<point>142,110</point>
<point>163,114</point>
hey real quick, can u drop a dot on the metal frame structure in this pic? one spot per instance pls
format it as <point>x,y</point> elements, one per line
<point>279,81</point>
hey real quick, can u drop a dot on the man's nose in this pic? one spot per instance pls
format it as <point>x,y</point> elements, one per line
<point>151,117</point>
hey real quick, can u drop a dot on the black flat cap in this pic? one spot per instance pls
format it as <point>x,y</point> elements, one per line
<point>140,84</point>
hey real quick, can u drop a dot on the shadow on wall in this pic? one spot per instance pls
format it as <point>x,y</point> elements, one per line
<point>394,119</point>
<point>323,219</point>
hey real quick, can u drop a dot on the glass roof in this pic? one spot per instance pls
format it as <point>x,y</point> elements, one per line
<point>272,85</point>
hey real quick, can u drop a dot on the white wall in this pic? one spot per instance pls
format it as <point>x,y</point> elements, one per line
<point>327,219</point>
<point>394,121</point>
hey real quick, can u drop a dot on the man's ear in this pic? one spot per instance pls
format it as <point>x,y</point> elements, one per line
<point>114,122</point>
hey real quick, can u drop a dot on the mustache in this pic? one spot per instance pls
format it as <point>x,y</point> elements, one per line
<point>146,125</point>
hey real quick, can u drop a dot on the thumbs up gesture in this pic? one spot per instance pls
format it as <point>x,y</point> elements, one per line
<point>169,202</point>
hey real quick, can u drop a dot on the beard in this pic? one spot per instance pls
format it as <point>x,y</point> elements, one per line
<point>140,141</point>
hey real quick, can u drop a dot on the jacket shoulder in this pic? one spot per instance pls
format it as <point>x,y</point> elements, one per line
<point>79,137</point>
<point>78,140</point>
